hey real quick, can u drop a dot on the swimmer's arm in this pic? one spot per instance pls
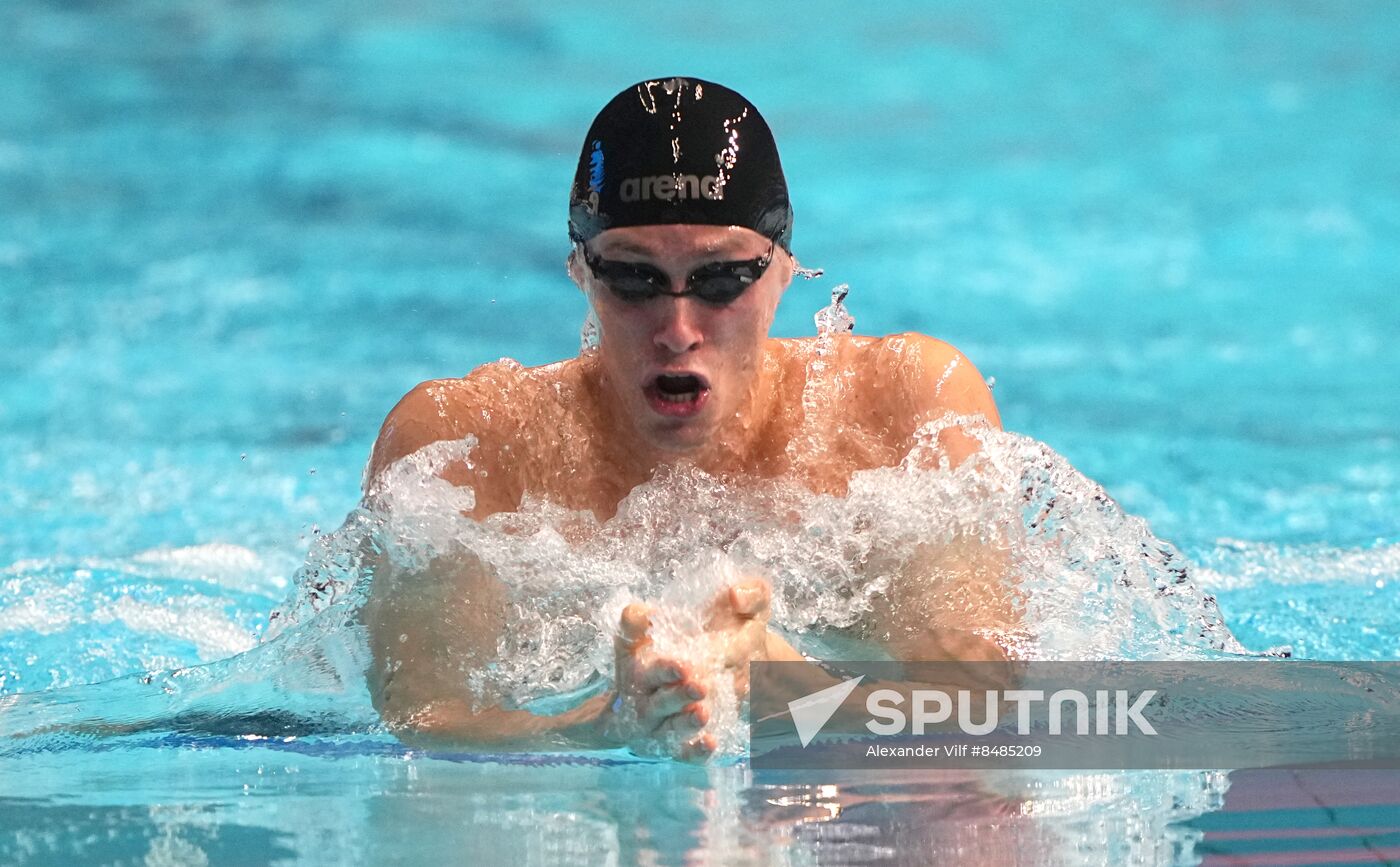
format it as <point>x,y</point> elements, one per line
<point>949,599</point>
<point>427,632</point>
<point>429,629</point>
<point>455,724</point>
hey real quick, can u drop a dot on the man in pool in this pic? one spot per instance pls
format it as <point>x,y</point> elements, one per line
<point>682,230</point>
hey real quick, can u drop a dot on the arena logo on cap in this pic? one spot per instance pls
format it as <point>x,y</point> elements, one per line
<point>671,187</point>
<point>595,168</point>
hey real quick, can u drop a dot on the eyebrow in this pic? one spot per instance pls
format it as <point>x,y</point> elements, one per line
<point>723,248</point>
<point>626,247</point>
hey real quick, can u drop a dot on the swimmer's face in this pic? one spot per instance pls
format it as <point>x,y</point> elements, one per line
<point>682,368</point>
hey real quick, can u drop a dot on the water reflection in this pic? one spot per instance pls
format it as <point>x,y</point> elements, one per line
<point>370,801</point>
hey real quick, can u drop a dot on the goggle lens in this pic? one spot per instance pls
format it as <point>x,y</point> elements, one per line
<point>717,284</point>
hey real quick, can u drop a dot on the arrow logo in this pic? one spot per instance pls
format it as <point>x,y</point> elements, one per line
<point>811,712</point>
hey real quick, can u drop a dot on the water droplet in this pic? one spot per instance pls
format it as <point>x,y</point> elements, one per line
<point>835,318</point>
<point>589,334</point>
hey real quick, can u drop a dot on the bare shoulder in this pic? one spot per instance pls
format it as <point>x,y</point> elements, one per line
<point>927,377</point>
<point>448,409</point>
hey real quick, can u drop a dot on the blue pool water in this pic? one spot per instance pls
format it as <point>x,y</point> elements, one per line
<point>233,234</point>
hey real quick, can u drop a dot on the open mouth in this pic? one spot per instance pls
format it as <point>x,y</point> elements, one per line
<point>677,394</point>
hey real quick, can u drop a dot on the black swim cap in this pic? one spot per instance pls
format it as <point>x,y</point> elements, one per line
<point>680,150</point>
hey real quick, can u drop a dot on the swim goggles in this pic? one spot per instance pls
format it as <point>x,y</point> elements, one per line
<point>716,284</point>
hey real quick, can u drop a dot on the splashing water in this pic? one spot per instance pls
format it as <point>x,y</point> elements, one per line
<point>1088,581</point>
<point>590,333</point>
<point>1092,582</point>
<point>835,318</point>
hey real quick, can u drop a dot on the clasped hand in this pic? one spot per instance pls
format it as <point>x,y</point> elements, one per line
<point>664,699</point>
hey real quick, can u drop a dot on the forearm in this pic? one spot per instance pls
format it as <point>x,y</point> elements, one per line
<point>454,722</point>
<point>429,627</point>
<point>930,643</point>
<point>593,724</point>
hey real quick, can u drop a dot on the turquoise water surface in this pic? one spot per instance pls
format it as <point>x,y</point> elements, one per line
<point>233,234</point>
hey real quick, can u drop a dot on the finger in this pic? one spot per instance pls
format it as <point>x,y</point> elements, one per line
<point>746,643</point>
<point>750,598</point>
<point>739,602</point>
<point>657,672</point>
<point>685,723</point>
<point>672,699</point>
<point>635,621</point>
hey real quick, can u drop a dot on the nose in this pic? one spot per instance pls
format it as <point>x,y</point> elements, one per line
<point>678,330</point>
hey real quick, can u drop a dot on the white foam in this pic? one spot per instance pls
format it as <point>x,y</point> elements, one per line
<point>191,619</point>
<point>1095,582</point>
<point>1238,564</point>
<point>220,563</point>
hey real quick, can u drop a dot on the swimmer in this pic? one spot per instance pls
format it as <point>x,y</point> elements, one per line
<point>682,242</point>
